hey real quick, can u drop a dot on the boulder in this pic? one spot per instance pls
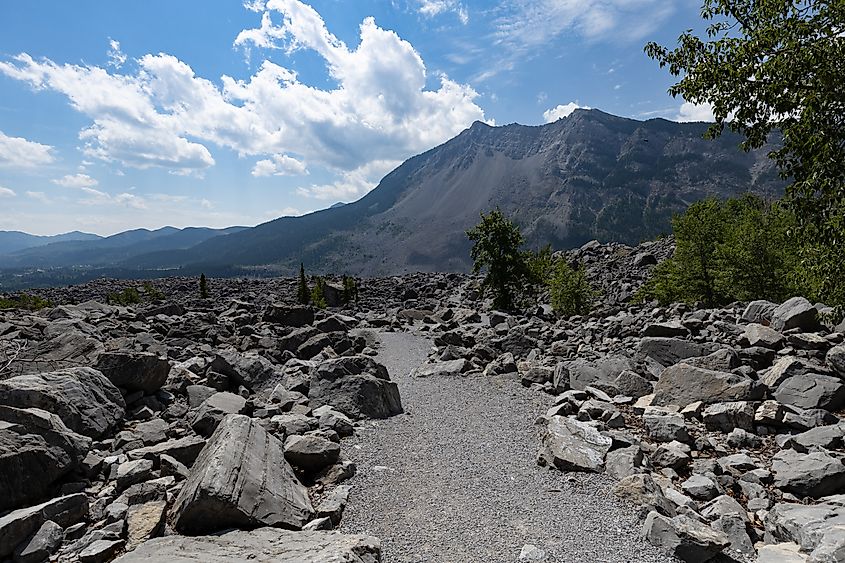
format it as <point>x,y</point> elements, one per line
<point>795,313</point>
<point>86,401</point>
<point>448,368</point>
<point>723,360</point>
<point>41,545</point>
<point>763,336</point>
<point>264,545</point>
<point>70,348</point>
<point>685,538</point>
<point>583,373</point>
<point>642,490</point>
<point>724,417</point>
<point>815,474</point>
<point>669,329</point>
<point>289,316</point>
<point>682,384</point>
<point>18,525</point>
<point>311,453</point>
<point>214,409</point>
<point>254,372</point>
<point>759,312</point>
<point>572,445</point>
<point>812,391</point>
<point>241,480</point>
<point>184,450</point>
<point>357,386</point>
<point>632,384</point>
<point>36,449</point>
<point>669,351</point>
<point>835,359</point>
<point>134,371</point>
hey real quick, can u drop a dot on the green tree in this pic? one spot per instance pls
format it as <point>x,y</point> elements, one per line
<point>318,295</point>
<point>203,287</point>
<point>698,233</point>
<point>303,296</point>
<point>540,265</point>
<point>350,289</point>
<point>496,249</point>
<point>571,293</point>
<point>777,66</point>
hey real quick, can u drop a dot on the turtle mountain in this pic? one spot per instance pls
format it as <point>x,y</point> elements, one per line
<point>588,176</point>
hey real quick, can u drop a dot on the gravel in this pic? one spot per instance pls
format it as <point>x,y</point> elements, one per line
<point>455,479</point>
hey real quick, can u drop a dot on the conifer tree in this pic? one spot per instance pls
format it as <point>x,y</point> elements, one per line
<point>203,287</point>
<point>303,295</point>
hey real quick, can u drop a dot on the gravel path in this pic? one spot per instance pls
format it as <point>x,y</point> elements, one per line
<point>454,479</point>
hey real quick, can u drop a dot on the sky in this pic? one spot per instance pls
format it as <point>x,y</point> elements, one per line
<point>123,115</point>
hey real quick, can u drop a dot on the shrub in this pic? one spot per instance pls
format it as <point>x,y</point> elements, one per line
<point>350,289</point>
<point>496,249</point>
<point>24,301</point>
<point>317,294</point>
<point>203,287</point>
<point>571,293</point>
<point>129,296</point>
<point>152,293</point>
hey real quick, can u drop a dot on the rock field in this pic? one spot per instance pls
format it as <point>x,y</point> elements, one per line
<point>419,425</point>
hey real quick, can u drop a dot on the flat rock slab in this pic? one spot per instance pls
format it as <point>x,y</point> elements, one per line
<point>572,445</point>
<point>682,384</point>
<point>241,480</point>
<point>264,545</point>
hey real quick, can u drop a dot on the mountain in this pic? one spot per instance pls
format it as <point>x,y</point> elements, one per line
<point>589,175</point>
<point>111,250</point>
<point>12,241</point>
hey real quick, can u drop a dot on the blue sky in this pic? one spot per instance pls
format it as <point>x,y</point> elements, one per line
<point>119,115</point>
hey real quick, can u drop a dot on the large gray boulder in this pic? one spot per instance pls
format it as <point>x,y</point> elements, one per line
<point>669,351</point>
<point>36,449</point>
<point>759,312</point>
<point>759,335</point>
<point>264,545</point>
<point>815,474</point>
<point>134,371</point>
<point>685,538</point>
<point>18,525</point>
<point>583,373</point>
<point>241,480</point>
<point>70,348</point>
<point>289,316</point>
<point>836,360</point>
<point>795,313</point>
<point>357,386</point>
<point>572,445</point>
<point>812,391</point>
<point>214,409</point>
<point>818,529</point>
<point>254,372</point>
<point>682,384</point>
<point>85,400</point>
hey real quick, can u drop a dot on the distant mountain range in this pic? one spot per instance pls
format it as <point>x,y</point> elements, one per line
<point>589,175</point>
<point>12,241</point>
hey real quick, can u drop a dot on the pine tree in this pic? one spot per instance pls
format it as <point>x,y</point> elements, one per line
<point>203,287</point>
<point>303,295</point>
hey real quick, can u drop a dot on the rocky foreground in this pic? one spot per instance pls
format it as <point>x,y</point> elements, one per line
<point>214,430</point>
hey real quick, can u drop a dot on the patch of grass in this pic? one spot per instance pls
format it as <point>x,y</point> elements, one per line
<point>24,301</point>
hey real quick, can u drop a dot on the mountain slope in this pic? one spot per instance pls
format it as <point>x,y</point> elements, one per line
<point>590,175</point>
<point>111,250</point>
<point>12,241</point>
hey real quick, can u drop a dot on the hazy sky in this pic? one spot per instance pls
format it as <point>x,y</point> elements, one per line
<point>118,115</point>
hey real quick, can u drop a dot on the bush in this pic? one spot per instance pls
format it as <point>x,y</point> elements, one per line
<point>571,293</point>
<point>152,293</point>
<point>740,249</point>
<point>496,249</point>
<point>350,290</point>
<point>317,294</point>
<point>129,296</point>
<point>203,287</point>
<point>24,301</point>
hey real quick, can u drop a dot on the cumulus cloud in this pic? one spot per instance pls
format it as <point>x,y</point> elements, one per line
<point>76,181</point>
<point>432,8</point>
<point>97,197</point>
<point>164,115</point>
<point>561,111</point>
<point>6,192</point>
<point>352,184</point>
<point>280,165</point>
<point>695,112</point>
<point>21,153</point>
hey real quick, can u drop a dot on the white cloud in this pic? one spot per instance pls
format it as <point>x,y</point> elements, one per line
<point>116,57</point>
<point>76,181</point>
<point>561,111</point>
<point>352,184</point>
<point>529,25</point>
<point>6,192</point>
<point>206,204</point>
<point>39,196</point>
<point>97,197</point>
<point>280,165</point>
<point>130,200</point>
<point>431,8</point>
<point>18,152</point>
<point>695,112</point>
<point>164,115</point>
